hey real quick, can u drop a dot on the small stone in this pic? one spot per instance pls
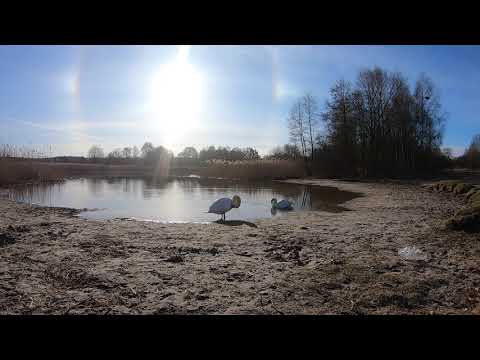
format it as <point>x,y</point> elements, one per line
<point>213,251</point>
<point>243,253</point>
<point>175,259</point>
<point>6,239</point>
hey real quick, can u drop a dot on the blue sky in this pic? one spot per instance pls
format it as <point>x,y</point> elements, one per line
<point>71,97</point>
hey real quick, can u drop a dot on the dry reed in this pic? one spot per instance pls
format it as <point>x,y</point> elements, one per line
<point>20,171</point>
<point>252,169</point>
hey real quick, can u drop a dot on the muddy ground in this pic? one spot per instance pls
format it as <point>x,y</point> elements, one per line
<point>52,262</point>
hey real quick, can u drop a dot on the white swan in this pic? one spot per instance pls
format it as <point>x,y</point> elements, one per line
<point>221,206</point>
<point>282,205</point>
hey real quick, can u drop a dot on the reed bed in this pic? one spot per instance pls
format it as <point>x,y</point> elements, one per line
<point>25,152</point>
<point>17,171</point>
<point>252,169</point>
<point>21,171</point>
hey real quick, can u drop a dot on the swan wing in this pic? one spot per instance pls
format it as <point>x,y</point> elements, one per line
<point>221,206</point>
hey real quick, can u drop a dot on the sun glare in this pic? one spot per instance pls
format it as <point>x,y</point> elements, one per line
<point>176,96</point>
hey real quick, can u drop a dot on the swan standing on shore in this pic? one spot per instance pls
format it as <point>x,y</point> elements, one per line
<point>282,205</point>
<point>221,206</point>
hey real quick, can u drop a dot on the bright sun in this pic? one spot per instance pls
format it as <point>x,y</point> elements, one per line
<point>176,96</point>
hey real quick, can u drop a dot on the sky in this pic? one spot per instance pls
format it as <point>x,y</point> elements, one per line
<point>71,97</point>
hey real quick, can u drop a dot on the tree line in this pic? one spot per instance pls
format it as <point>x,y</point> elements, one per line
<point>375,126</point>
<point>471,156</point>
<point>189,156</point>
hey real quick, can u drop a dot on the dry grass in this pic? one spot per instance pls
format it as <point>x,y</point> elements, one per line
<point>18,171</point>
<point>81,169</point>
<point>25,152</point>
<point>254,169</point>
<point>15,171</point>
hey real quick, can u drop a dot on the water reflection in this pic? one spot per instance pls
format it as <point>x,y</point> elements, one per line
<point>178,199</point>
<point>95,186</point>
<point>42,193</point>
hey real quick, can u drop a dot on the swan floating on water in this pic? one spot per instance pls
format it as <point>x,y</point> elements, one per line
<point>282,205</point>
<point>223,205</point>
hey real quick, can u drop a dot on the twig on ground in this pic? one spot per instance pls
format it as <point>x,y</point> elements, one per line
<point>274,308</point>
<point>75,305</point>
<point>70,233</point>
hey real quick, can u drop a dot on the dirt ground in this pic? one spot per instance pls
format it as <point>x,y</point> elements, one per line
<point>52,262</point>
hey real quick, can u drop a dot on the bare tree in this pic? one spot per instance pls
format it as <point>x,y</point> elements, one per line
<point>250,154</point>
<point>448,152</point>
<point>115,154</point>
<point>475,144</point>
<point>341,126</point>
<point>95,152</point>
<point>189,152</point>
<point>286,152</point>
<point>310,110</point>
<point>472,154</point>
<point>188,157</point>
<point>127,152</point>
<point>298,127</point>
<point>147,148</point>
<point>380,128</point>
<point>302,125</point>
<point>135,152</point>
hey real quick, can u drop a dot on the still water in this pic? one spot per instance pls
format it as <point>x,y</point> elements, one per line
<point>177,199</point>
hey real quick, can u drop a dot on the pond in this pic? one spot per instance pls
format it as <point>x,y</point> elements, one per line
<point>177,199</point>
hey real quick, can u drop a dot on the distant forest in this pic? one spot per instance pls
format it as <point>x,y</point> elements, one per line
<point>150,155</point>
<point>471,157</point>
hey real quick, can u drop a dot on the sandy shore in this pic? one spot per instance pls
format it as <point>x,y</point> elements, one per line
<point>305,263</point>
